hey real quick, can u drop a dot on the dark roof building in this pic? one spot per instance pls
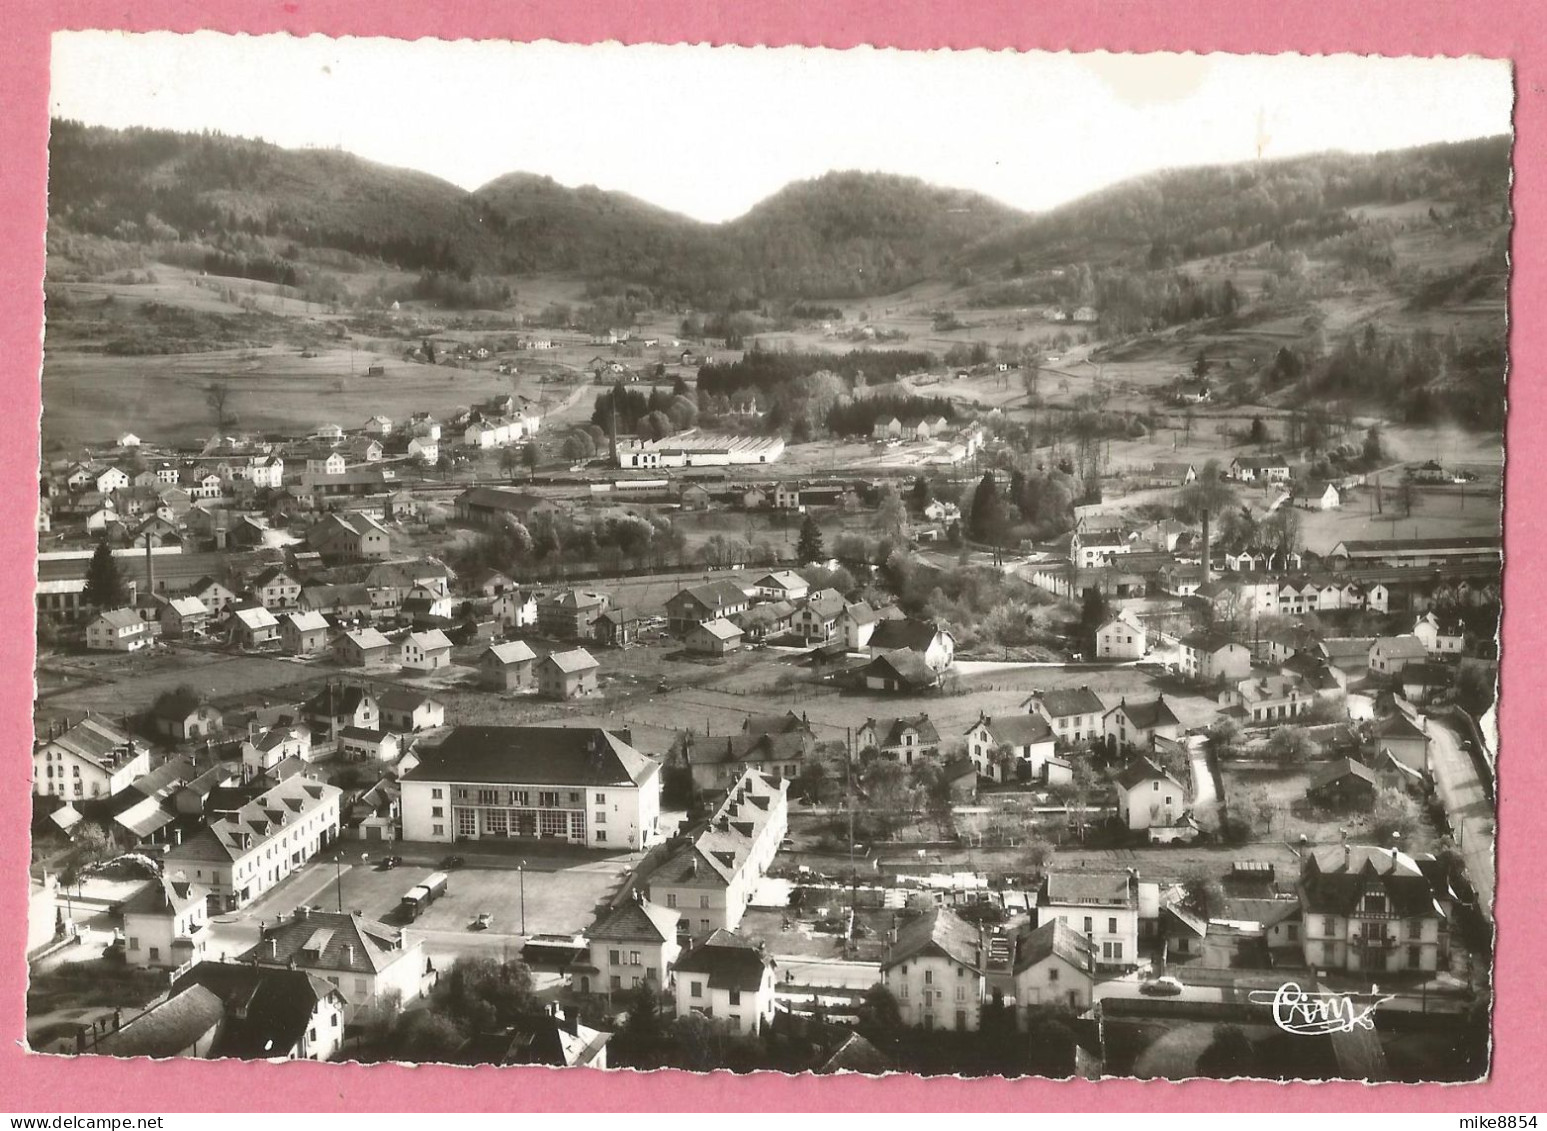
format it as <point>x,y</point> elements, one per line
<point>586,756</point>
<point>940,932</point>
<point>726,961</point>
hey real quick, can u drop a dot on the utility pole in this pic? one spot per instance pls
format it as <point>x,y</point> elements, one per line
<point>848,745</point>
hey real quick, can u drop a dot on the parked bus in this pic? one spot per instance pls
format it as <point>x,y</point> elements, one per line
<point>423,894</point>
<point>415,901</point>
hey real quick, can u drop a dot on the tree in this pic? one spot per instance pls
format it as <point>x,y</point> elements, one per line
<point>1281,530</point>
<point>922,494</point>
<point>703,1043</point>
<point>656,425</point>
<point>1251,815</point>
<point>578,445</point>
<point>1050,1042</point>
<point>1374,449</point>
<point>218,396</point>
<point>1205,497</point>
<point>986,522</point>
<point>1228,1055</point>
<point>1394,811</point>
<point>510,459</point>
<point>813,784</point>
<point>809,546</point>
<point>892,516</point>
<point>105,588</point>
<point>644,1024</point>
<point>1259,431</point>
<point>888,794</point>
<point>1093,610</point>
<point>880,1017</point>
<point>1203,893</point>
<point>484,994</point>
<point>428,348</point>
<point>1408,498</point>
<point>1292,744</point>
<point>1223,736</point>
<point>1082,782</point>
<point>530,456</point>
<point>1201,365</point>
<point>92,843</point>
<point>427,1037</point>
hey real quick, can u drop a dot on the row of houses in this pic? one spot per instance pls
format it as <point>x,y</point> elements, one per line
<point>1361,910</point>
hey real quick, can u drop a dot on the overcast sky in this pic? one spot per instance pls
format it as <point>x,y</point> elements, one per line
<point>711,131</point>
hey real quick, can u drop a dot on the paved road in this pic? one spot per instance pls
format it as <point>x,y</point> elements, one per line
<point>1467,807</point>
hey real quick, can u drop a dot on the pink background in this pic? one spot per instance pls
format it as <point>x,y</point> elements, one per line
<point>1500,28</point>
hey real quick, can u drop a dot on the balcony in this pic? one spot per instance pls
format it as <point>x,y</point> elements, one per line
<point>1374,942</point>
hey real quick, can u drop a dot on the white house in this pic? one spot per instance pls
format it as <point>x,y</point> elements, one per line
<point>632,945</point>
<point>1390,654</point>
<point>1209,656</point>
<point>515,609</point>
<point>730,979</point>
<point>1148,796</point>
<point>1440,637</point>
<point>1012,747</point>
<point>934,969</point>
<point>781,585</point>
<point>1121,638</point>
<point>1054,965</point>
<point>263,750</point>
<point>1103,907</point>
<point>1075,714</point>
<point>166,923</point>
<point>89,759</point>
<point>365,960</point>
<point>426,651</point>
<point>118,630</point>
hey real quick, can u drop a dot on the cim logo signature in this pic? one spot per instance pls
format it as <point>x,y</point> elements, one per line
<point>1311,1013</point>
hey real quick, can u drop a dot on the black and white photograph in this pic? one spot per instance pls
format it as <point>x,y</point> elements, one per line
<point>952,563</point>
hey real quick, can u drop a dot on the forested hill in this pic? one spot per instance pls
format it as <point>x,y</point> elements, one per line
<point>148,186</point>
<point>840,235</point>
<point>1183,214</point>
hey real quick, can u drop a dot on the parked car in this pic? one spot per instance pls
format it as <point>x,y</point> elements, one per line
<point>1163,986</point>
<point>452,862</point>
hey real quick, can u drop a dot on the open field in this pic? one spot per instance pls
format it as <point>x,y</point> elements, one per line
<point>275,389</point>
<point>135,681</point>
<point>1438,512</point>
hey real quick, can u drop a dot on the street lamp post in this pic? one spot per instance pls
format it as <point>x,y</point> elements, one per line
<point>338,876</point>
<point>521,871</point>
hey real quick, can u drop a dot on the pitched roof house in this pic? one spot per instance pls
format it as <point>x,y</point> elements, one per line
<point>728,978</point>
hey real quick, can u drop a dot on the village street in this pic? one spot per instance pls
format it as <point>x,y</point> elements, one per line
<point>1466,803</point>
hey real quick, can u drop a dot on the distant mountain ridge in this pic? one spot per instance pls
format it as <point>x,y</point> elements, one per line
<point>841,235</point>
